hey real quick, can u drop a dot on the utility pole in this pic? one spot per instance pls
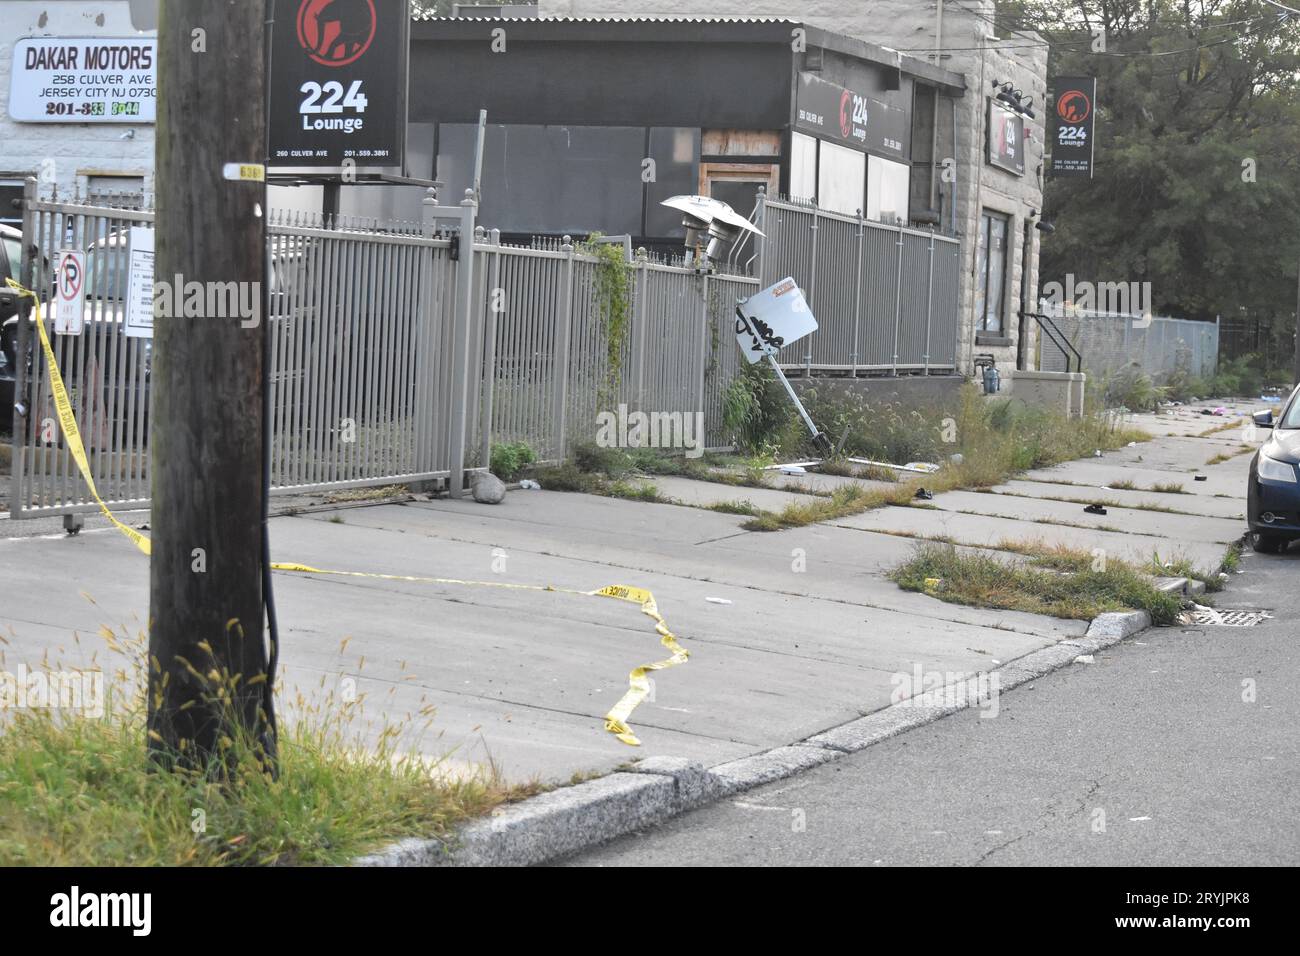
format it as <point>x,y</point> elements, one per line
<point>208,662</point>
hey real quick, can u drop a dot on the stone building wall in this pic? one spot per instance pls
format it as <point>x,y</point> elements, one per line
<point>969,48</point>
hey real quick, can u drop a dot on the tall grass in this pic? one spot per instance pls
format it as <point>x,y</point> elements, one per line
<point>1056,582</point>
<point>78,790</point>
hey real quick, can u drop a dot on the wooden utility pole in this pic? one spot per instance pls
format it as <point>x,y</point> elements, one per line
<point>208,661</point>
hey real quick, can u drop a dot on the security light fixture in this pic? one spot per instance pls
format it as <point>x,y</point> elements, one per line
<point>703,216</point>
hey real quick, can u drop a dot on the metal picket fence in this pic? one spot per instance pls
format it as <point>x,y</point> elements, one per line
<point>885,297</point>
<point>550,370</point>
<point>361,322</point>
<point>399,352</point>
<point>1109,342</point>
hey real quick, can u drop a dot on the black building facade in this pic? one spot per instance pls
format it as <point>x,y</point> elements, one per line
<point>592,122</point>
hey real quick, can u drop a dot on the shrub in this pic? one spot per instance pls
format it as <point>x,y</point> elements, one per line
<point>511,458</point>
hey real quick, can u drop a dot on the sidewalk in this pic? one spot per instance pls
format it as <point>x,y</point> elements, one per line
<point>811,638</point>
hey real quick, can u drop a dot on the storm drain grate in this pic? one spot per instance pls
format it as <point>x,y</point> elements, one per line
<point>1227,617</point>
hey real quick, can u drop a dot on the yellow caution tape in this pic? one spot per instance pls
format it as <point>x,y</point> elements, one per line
<point>638,685</point>
<point>615,721</point>
<point>68,421</point>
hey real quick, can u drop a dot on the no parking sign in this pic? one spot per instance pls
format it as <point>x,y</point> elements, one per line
<point>70,293</point>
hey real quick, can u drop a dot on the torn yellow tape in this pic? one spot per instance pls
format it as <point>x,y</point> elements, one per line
<point>638,685</point>
<point>615,721</point>
<point>68,421</point>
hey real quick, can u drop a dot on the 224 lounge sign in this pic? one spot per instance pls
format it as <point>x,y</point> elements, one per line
<point>1075,111</point>
<point>338,83</point>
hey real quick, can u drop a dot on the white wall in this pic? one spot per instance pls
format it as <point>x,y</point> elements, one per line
<point>66,152</point>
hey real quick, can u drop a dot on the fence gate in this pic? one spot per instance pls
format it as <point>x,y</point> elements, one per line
<point>361,386</point>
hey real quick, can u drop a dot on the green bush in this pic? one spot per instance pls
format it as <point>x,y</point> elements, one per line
<point>757,412</point>
<point>511,458</point>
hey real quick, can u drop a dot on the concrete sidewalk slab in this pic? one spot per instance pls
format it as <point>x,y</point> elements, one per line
<point>702,494</point>
<point>837,564</point>
<point>1233,506</point>
<point>523,678</point>
<point>982,531</point>
<point>1099,472</point>
<point>1221,531</point>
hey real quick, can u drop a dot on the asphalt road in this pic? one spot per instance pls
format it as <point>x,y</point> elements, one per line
<point>1156,754</point>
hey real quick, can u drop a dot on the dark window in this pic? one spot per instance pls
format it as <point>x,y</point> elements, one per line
<point>991,272</point>
<point>11,194</point>
<point>549,179</point>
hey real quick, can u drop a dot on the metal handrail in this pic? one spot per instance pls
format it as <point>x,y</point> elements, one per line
<point>1059,339</point>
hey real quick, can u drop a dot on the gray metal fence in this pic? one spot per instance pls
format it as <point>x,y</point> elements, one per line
<point>1110,342</point>
<point>398,353</point>
<point>550,369</point>
<point>361,322</point>
<point>885,297</point>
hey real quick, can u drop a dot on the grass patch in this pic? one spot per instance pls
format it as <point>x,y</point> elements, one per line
<point>1124,484</point>
<point>367,494</point>
<point>1235,423</point>
<point>1220,459</point>
<point>633,491</point>
<point>77,790</point>
<point>849,500</point>
<point>1055,582</point>
<point>1170,488</point>
<point>568,477</point>
<point>746,508</point>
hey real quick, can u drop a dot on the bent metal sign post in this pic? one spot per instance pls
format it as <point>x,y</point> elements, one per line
<point>337,87</point>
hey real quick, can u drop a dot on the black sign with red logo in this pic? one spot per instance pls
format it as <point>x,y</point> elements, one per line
<point>1075,112</point>
<point>844,116</point>
<point>338,84</point>
<point>1006,139</point>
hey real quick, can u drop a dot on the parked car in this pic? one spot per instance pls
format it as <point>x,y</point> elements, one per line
<point>1273,496</point>
<point>10,268</point>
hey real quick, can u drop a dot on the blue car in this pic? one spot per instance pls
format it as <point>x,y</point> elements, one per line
<point>1273,498</point>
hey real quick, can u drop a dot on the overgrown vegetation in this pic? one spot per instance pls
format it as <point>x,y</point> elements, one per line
<point>612,288</point>
<point>1245,377</point>
<point>509,459</point>
<point>1055,581</point>
<point>76,790</point>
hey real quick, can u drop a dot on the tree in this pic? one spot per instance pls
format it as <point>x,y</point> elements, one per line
<point>1197,151</point>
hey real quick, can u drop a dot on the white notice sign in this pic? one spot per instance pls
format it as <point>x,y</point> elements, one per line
<point>139,287</point>
<point>772,319</point>
<point>70,293</point>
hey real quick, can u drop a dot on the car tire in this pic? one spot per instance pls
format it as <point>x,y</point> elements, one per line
<point>1265,543</point>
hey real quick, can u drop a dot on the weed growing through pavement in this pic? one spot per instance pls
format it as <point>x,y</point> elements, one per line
<point>1059,582</point>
